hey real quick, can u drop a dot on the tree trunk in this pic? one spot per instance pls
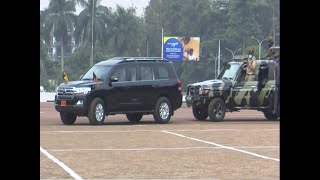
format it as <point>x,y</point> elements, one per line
<point>62,61</point>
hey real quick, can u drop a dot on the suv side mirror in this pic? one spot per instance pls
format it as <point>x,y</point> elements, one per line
<point>114,79</point>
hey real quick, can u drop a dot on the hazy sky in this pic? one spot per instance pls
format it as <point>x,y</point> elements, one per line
<point>139,4</point>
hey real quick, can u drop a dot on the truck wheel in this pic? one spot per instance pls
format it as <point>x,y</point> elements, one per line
<point>200,113</point>
<point>162,111</point>
<point>135,118</point>
<point>217,109</point>
<point>68,118</point>
<point>96,113</point>
<point>270,116</point>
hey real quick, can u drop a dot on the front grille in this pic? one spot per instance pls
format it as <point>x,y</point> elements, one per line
<point>192,90</point>
<point>66,93</point>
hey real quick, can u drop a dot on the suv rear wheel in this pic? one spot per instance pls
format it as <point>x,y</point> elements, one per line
<point>200,113</point>
<point>96,113</point>
<point>217,109</point>
<point>68,118</point>
<point>271,116</point>
<point>135,118</point>
<point>162,111</point>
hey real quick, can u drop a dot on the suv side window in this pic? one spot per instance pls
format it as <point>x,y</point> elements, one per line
<point>146,72</point>
<point>163,72</point>
<point>120,72</point>
<point>132,73</point>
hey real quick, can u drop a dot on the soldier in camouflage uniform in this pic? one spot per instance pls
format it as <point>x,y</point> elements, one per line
<point>251,67</point>
<point>271,52</point>
<point>277,78</point>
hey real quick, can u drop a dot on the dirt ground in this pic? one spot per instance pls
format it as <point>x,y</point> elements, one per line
<point>244,146</point>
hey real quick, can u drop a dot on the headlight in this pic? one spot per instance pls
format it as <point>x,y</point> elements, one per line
<point>83,90</point>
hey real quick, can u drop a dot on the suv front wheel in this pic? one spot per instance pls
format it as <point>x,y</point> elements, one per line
<point>96,113</point>
<point>200,113</point>
<point>68,118</point>
<point>217,109</point>
<point>162,111</point>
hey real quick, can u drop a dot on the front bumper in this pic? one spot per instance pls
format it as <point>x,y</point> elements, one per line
<point>196,99</point>
<point>75,105</point>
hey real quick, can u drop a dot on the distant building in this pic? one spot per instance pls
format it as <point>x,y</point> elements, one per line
<point>54,47</point>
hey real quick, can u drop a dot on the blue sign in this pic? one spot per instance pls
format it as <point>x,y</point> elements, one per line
<point>173,50</point>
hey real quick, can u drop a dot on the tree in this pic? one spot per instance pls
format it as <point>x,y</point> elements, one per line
<point>93,17</point>
<point>124,32</point>
<point>59,21</point>
<point>242,21</point>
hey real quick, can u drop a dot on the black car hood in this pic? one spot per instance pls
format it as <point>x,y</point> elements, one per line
<point>78,84</point>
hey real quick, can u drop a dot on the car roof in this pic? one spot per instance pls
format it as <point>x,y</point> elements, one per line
<point>117,60</point>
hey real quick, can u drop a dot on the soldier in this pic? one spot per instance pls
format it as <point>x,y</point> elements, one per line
<point>277,78</point>
<point>271,51</point>
<point>251,67</point>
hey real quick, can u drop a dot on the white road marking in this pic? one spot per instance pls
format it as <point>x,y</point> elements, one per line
<point>125,131</point>
<point>149,149</point>
<point>62,165</point>
<point>222,146</point>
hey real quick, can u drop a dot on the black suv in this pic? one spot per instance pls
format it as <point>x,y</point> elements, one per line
<point>134,86</point>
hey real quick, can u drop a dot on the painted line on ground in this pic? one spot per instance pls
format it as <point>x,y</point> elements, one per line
<point>222,146</point>
<point>184,130</point>
<point>150,149</point>
<point>61,164</point>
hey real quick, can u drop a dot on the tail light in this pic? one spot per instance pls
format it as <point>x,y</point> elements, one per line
<point>179,85</point>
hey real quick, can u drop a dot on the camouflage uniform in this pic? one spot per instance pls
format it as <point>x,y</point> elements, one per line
<point>251,69</point>
<point>277,90</point>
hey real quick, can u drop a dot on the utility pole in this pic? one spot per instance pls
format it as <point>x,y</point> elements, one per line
<point>273,24</point>
<point>91,60</point>
<point>161,41</point>
<point>219,58</point>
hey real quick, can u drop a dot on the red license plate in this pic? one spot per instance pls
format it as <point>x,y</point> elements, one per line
<point>63,103</point>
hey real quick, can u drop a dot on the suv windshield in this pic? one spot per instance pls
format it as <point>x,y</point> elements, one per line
<point>229,72</point>
<point>100,70</point>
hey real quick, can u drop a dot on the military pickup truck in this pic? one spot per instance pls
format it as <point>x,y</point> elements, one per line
<point>231,92</point>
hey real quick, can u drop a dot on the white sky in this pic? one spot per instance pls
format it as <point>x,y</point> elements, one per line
<point>139,4</point>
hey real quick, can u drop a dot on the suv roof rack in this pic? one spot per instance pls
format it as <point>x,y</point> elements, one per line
<point>141,58</point>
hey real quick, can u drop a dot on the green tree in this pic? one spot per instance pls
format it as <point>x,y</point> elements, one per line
<point>59,20</point>
<point>93,17</point>
<point>124,32</point>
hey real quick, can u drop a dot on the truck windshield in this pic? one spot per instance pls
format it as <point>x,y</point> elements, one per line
<point>229,72</point>
<point>100,70</point>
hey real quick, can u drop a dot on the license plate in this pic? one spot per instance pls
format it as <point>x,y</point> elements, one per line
<point>63,103</point>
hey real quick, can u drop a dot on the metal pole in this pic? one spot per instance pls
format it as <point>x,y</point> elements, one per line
<point>162,42</point>
<point>231,53</point>
<point>260,49</point>
<point>219,58</point>
<point>91,62</point>
<point>147,48</point>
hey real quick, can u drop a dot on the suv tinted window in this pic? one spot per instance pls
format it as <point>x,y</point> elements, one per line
<point>163,72</point>
<point>120,72</point>
<point>146,72</point>
<point>132,72</point>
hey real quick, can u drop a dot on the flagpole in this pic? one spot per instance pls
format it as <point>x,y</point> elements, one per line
<point>161,42</point>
